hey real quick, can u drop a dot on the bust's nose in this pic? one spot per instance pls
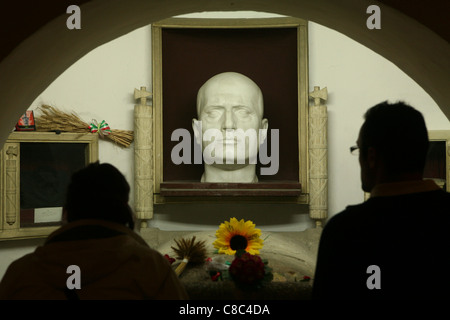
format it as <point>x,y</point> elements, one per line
<point>228,122</point>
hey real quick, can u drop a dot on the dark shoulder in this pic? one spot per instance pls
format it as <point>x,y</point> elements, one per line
<point>382,210</point>
<point>356,221</point>
<point>439,195</point>
<point>348,216</point>
<point>342,224</point>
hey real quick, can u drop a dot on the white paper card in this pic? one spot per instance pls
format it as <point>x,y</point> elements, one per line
<point>48,214</point>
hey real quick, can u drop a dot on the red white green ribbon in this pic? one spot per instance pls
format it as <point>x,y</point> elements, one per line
<point>102,129</point>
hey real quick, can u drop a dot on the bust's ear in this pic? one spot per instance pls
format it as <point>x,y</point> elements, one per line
<point>197,128</point>
<point>263,131</point>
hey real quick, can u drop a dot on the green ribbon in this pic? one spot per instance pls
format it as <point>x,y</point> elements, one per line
<point>103,128</point>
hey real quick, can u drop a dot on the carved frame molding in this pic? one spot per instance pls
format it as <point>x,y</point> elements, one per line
<point>315,125</point>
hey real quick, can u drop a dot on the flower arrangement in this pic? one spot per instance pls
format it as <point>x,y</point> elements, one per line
<point>241,239</point>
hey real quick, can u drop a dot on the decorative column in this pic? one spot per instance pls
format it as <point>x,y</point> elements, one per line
<point>318,157</point>
<point>143,157</point>
<point>11,183</point>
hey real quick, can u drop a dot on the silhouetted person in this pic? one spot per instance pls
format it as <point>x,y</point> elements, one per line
<point>396,244</point>
<point>114,262</point>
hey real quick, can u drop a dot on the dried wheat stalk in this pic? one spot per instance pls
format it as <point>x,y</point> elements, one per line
<point>53,119</point>
<point>191,251</point>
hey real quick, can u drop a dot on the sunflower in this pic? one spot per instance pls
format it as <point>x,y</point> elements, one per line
<point>238,235</point>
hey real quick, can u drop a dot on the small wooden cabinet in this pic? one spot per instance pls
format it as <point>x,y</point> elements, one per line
<point>35,169</point>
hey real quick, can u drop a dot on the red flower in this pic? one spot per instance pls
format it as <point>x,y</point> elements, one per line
<point>247,269</point>
<point>216,276</point>
<point>171,260</point>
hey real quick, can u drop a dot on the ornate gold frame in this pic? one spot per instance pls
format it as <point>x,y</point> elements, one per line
<point>302,74</point>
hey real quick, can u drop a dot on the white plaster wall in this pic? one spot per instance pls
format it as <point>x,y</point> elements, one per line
<point>357,78</point>
<point>100,86</point>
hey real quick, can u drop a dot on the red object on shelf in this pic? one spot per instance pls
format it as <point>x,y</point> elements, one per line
<point>26,122</point>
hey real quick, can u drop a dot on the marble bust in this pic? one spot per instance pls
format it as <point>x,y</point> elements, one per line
<point>230,127</point>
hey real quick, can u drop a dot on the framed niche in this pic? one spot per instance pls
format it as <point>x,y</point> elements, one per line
<point>272,52</point>
<point>35,169</point>
<point>437,166</point>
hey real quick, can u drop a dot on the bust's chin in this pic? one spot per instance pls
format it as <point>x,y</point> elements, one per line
<point>229,167</point>
<point>229,173</point>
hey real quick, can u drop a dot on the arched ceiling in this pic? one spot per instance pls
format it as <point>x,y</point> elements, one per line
<point>19,21</point>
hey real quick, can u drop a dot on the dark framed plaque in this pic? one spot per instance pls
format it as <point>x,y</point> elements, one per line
<point>437,166</point>
<point>35,169</point>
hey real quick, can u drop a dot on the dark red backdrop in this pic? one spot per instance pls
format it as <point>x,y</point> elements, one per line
<point>267,56</point>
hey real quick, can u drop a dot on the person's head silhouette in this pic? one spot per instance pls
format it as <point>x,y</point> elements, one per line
<point>393,145</point>
<point>99,191</point>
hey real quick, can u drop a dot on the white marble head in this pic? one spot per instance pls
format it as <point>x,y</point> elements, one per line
<point>230,127</point>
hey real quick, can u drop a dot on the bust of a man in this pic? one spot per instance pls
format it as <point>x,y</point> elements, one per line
<point>230,127</point>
